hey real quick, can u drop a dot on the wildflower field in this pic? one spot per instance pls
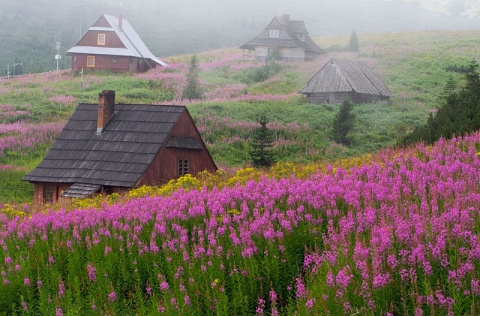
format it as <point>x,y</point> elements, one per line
<point>328,230</point>
<point>398,236</point>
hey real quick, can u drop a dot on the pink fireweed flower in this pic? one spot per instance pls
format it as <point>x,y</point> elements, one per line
<point>112,297</point>
<point>301,289</point>
<point>260,306</point>
<point>24,306</point>
<point>59,312</point>
<point>26,282</point>
<point>164,286</point>
<point>186,300</point>
<point>309,303</point>
<point>8,260</point>
<point>61,288</point>
<point>91,272</point>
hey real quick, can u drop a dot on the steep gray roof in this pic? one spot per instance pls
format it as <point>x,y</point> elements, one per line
<point>118,157</point>
<point>344,75</point>
<point>289,37</point>
<point>134,46</point>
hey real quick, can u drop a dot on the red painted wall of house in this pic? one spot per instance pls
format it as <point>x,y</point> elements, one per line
<point>114,63</point>
<point>165,165</point>
<point>91,39</point>
<point>102,22</point>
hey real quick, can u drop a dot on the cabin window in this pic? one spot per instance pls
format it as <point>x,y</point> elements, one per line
<point>183,166</point>
<point>48,194</point>
<point>101,39</point>
<point>91,61</point>
<point>274,33</point>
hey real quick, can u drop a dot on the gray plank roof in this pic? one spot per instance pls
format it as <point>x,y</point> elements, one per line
<point>119,156</point>
<point>289,39</point>
<point>344,75</point>
<point>80,190</point>
<point>134,46</point>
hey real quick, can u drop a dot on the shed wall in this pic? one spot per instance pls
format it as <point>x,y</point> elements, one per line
<point>330,97</point>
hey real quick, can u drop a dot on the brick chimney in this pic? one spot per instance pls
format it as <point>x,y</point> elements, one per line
<point>120,22</point>
<point>106,107</point>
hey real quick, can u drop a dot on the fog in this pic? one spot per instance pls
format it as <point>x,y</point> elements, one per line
<point>29,33</point>
<point>182,26</point>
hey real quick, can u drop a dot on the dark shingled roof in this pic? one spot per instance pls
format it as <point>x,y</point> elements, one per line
<point>292,30</point>
<point>343,75</point>
<point>119,156</point>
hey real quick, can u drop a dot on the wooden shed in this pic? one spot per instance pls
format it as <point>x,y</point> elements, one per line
<point>288,38</point>
<point>344,79</point>
<point>112,43</point>
<point>108,147</point>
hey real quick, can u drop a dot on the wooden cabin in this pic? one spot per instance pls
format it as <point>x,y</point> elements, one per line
<point>286,38</point>
<point>112,43</point>
<point>343,79</point>
<point>108,147</point>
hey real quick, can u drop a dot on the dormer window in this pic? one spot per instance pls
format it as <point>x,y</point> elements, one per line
<point>274,33</point>
<point>101,39</point>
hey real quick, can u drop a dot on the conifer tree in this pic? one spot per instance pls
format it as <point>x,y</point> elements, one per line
<point>353,45</point>
<point>343,123</point>
<point>192,89</point>
<point>261,144</point>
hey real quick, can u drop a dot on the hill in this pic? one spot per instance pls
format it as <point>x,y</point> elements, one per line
<point>415,66</point>
<point>29,33</point>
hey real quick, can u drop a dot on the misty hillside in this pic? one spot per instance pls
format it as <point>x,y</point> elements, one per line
<point>469,8</point>
<point>28,33</point>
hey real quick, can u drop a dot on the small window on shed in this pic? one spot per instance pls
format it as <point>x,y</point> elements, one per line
<point>183,166</point>
<point>90,61</point>
<point>274,33</point>
<point>101,39</point>
<point>48,194</point>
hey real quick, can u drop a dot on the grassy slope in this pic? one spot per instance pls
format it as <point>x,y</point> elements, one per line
<point>411,64</point>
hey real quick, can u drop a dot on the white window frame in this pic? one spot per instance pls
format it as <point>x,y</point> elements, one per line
<point>274,33</point>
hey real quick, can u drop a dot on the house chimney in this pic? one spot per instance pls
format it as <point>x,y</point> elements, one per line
<point>106,107</point>
<point>120,22</point>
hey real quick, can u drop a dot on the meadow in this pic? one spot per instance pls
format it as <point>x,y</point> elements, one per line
<point>397,235</point>
<point>413,65</point>
<point>367,229</point>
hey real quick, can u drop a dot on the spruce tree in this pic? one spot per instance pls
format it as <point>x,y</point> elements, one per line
<point>261,144</point>
<point>343,123</point>
<point>192,90</point>
<point>353,45</point>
